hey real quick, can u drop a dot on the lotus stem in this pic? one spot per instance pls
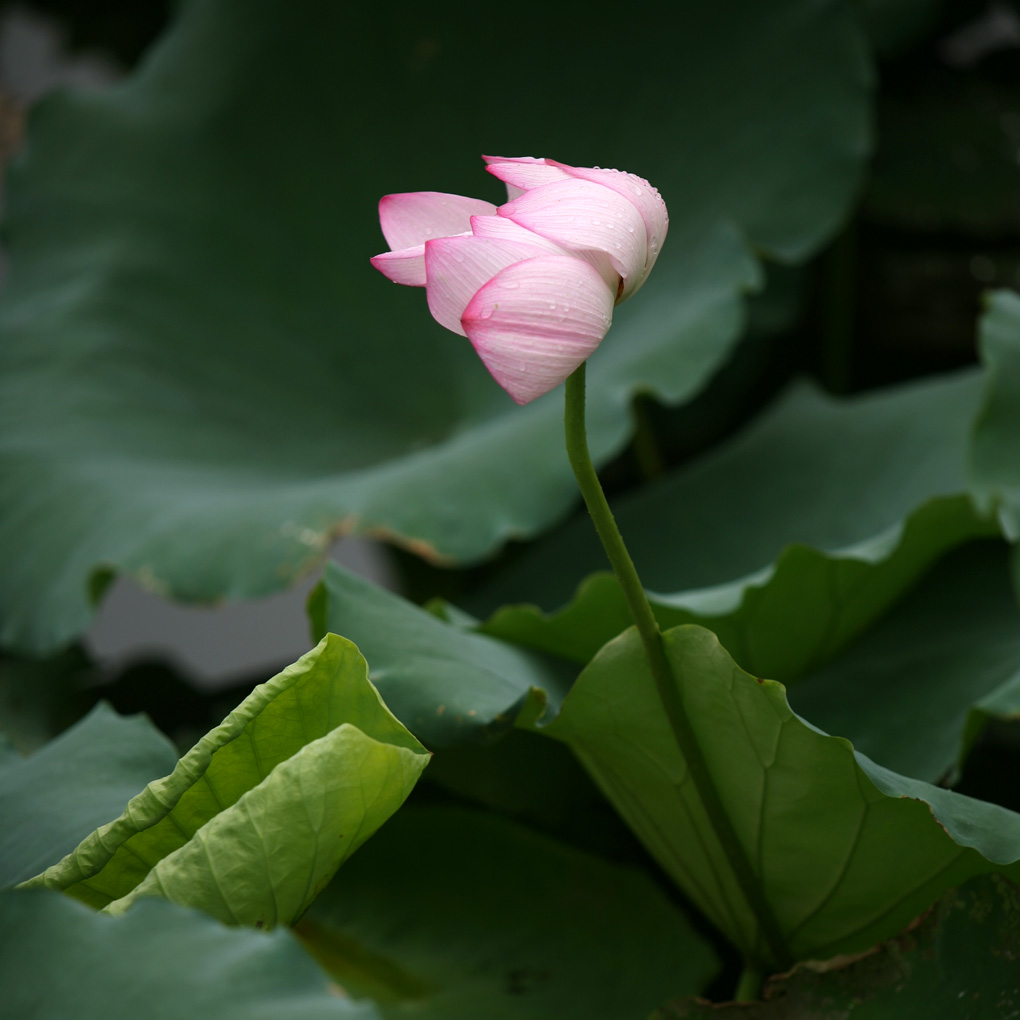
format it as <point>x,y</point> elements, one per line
<point>667,685</point>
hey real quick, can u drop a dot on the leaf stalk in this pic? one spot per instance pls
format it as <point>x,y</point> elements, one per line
<point>667,684</point>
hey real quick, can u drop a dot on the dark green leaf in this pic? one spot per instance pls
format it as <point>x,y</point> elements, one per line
<point>54,799</point>
<point>448,685</point>
<point>959,961</point>
<point>915,692</point>
<point>788,542</point>
<point>844,851</point>
<point>40,698</point>
<point>60,959</point>
<point>205,382</point>
<point>455,914</point>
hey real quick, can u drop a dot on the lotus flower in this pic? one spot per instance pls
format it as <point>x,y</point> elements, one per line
<point>532,284</point>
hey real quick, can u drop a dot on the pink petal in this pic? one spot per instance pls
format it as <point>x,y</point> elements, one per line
<point>536,321</point>
<point>645,198</point>
<point>501,229</point>
<point>582,215</point>
<point>414,217</point>
<point>406,266</point>
<point>457,267</point>
<point>522,173</point>
<point>507,230</point>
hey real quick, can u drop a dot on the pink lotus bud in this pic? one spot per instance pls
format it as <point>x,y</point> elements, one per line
<point>533,283</point>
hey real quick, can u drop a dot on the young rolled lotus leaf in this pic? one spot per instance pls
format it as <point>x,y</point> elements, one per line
<point>257,817</point>
<point>832,852</point>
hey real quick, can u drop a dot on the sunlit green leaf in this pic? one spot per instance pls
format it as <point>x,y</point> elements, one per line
<point>204,381</point>
<point>455,914</point>
<point>257,817</point>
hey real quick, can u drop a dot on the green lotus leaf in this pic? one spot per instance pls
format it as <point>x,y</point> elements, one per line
<point>959,960</point>
<point>843,851</point>
<point>58,958</point>
<point>789,541</point>
<point>449,685</point>
<point>947,659</point>
<point>203,380</point>
<point>257,817</point>
<point>53,799</point>
<point>458,914</point>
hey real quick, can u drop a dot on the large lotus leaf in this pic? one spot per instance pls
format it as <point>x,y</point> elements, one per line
<point>255,819</point>
<point>162,962</point>
<point>52,800</point>
<point>204,381</point>
<point>456,914</point>
<point>915,692</point>
<point>844,852</point>
<point>957,961</point>
<point>450,686</point>
<point>788,541</point>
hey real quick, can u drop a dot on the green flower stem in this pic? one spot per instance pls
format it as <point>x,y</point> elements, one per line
<point>748,985</point>
<point>666,684</point>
